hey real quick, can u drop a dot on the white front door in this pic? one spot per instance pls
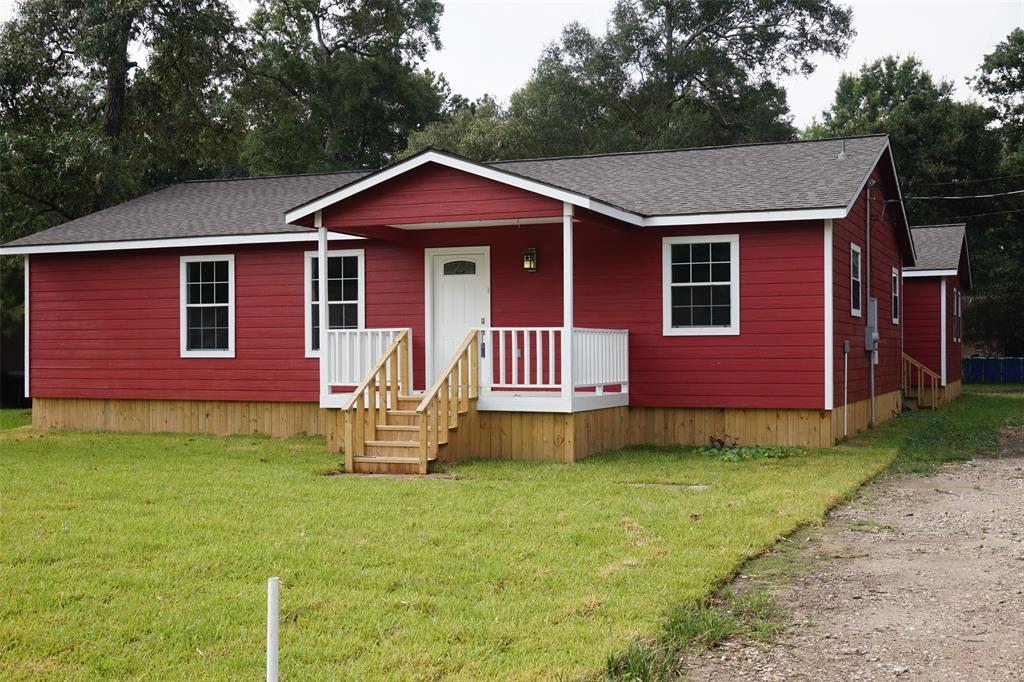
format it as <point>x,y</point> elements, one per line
<point>460,299</point>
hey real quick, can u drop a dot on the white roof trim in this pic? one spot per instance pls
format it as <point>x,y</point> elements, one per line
<point>899,192</point>
<point>928,273</point>
<point>172,243</point>
<point>481,170</point>
<point>477,223</point>
<point>744,217</point>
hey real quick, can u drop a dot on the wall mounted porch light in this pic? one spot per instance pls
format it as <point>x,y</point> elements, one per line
<point>530,260</point>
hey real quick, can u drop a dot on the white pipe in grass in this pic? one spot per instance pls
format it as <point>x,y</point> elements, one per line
<point>273,610</point>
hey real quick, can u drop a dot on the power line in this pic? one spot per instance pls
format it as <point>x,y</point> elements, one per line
<point>975,196</point>
<point>969,180</point>
<point>978,215</point>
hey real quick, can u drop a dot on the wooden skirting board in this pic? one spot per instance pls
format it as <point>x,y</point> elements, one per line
<point>490,435</point>
<point>951,390</point>
<point>858,415</point>
<point>215,417</point>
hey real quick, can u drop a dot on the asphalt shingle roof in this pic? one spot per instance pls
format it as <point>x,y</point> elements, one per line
<point>211,208</point>
<point>733,179</point>
<point>938,246</point>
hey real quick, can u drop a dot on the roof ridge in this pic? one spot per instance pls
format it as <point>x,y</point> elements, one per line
<point>929,227</point>
<point>269,177</point>
<point>639,152</point>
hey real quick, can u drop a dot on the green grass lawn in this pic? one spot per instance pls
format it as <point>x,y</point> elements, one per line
<point>967,427</point>
<point>13,418</point>
<point>146,556</point>
<point>993,388</point>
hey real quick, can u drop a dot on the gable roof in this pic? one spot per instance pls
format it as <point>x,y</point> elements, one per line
<point>738,183</point>
<point>939,250</point>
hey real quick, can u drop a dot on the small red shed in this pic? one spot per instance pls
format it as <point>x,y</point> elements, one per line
<point>933,310</point>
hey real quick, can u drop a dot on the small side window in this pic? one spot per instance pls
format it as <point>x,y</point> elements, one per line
<point>855,281</point>
<point>895,296</point>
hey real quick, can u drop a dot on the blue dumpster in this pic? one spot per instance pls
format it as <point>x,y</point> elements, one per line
<point>993,370</point>
<point>1013,370</point>
<point>974,370</point>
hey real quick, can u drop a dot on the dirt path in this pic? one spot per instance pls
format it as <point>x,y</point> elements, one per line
<point>921,578</point>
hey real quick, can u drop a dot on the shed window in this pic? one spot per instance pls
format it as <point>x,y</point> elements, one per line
<point>701,285</point>
<point>344,294</point>
<point>208,306</point>
<point>855,281</point>
<point>895,296</point>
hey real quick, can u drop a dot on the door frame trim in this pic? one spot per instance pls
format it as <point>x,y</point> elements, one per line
<point>428,303</point>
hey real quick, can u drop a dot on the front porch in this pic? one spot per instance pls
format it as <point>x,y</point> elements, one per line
<point>490,331</point>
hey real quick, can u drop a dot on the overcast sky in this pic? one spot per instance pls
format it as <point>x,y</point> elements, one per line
<point>490,46</point>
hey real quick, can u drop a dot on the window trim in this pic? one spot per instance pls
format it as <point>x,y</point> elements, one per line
<point>858,311</point>
<point>734,286</point>
<point>307,288</point>
<point>956,315</point>
<point>896,296</point>
<point>183,306</point>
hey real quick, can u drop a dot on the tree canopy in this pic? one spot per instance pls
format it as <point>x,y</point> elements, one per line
<point>667,73</point>
<point>101,101</point>
<point>949,148</point>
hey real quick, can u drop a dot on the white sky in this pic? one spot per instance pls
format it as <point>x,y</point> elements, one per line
<point>491,46</point>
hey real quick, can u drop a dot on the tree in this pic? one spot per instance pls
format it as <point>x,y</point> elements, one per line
<point>1001,81</point>
<point>999,311</point>
<point>942,147</point>
<point>670,73</point>
<point>83,126</point>
<point>335,84</point>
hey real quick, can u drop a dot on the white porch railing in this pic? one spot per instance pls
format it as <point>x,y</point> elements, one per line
<point>521,358</point>
<point>352,353</point>
<point>600,358</point>
<point>521,368</point>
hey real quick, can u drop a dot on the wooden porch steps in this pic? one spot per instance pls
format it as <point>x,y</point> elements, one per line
<point>387,430</point>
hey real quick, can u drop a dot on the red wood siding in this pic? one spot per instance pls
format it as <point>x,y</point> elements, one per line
<point>106,325</point>
<point>885,255</point>
<point>777,360</point>
<point>953,349</point>
<point>434,193</point>
<point>922,303</point>
<point>395,294</point>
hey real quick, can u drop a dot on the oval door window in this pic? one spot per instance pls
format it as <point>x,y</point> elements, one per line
<point>460,267</point>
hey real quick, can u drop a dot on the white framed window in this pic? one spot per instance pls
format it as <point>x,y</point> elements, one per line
<point>208,306</point>
<point>701,285</point>
<point>856,308</point>
<point>345,294</point>
<point>895,296</point>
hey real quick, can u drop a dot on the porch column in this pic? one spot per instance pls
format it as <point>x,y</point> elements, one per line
<point>321,283</point>
<point>567,304</point>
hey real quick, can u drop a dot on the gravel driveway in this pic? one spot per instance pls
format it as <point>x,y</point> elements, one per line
<point>921,578</point>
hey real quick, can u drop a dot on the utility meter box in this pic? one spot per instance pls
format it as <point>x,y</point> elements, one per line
<point>871,330</point>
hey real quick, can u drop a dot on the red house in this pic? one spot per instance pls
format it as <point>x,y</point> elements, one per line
<point>934,317</point>
<point>541,308</point>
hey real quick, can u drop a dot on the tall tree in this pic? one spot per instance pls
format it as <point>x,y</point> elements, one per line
<point>336,83</point>
<point>998,312</point>
<point>943,147</point>
<point>83,125</point>
<point>669,73</point>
